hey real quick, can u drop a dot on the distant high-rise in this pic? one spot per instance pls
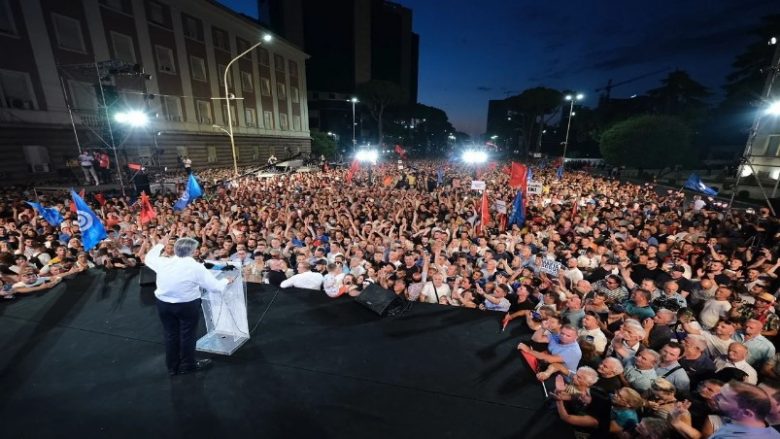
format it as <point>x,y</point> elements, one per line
<point>349,42</point>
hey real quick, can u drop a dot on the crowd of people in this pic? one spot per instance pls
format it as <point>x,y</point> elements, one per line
<point>651,315</point>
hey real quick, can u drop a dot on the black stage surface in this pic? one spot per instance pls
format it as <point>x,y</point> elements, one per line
<point>86,360</point>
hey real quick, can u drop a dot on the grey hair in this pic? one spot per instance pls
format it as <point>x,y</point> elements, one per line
<point>591,376</point>
<point>185,247</point>
<point>616,364</point>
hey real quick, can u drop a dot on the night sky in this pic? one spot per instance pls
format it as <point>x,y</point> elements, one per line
<point>473,51</point>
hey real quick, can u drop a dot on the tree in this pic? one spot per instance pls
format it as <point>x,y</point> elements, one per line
<point>680,96</point>
<point>648,142</point>
<point>530,107</point>
<point>322,144</point>
<point>377,96</point>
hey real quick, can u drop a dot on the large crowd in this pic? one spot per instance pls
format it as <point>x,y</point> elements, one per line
<point>652,313</point>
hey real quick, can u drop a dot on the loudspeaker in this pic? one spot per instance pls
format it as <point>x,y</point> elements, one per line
<point>147,277</point>
<point>378,299</point>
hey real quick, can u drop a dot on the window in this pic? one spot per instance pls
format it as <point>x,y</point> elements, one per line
<point>268,120</point>
<point>246,82</point>
<point>192,28</point>
<point>294,94</point>
<point>296,122</point>
<point>293,68</point>
<point>279,63</point>
<point>204,112</point>
<point>83,96</point>
<point>171,108</point>
<point>283,121</point>
<point>37,158</point>
<point>265,86</point>
<point>251,117</point>
<point>157,13</point>
<point>233,115</point>
<point>264,57</point>
<point>255,152</point>
<point>123,47</point>
<point>118,5</point>
<point>241,45</point>
<point>7,21</point>
<point>221,39</point>
<point>16,91</point>
<point>165,60</point>
<point>198,67</point>
<point>68,32</point>
<point>221,70</point>
<point>211,154</point>
<point>281,91</point>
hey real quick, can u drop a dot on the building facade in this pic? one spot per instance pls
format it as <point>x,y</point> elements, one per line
<point>70,66</point>
<point>350,42</point>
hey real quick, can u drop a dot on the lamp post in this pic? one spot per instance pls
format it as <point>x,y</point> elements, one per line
<point>571,99</point>
<point>228,98</point>
<point>354,141</point>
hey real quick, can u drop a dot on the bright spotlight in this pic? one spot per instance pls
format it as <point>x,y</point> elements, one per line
<point>580,96</point>
<point>267,38</point>
<point>747,171</point>
<point>774,109</point>
<point>132,118</point>
<point>569,97</point>
<point>470,156</point>
<point>367,155</point>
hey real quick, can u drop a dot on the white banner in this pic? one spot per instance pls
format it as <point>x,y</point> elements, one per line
<point>478,185</point>
<point>500,206</point>
<point>550,267</point>
<point>534,187</point>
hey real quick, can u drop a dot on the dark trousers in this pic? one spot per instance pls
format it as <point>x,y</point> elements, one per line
<point>180,323</point>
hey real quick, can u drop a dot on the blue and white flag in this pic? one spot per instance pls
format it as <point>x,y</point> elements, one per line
<point>50,214</point>
<point>560,172</point>
<point>440,176</point>
<point>530,174</point>
<point>694,183</point>
<point>191,192</point>
<point>92,230</point>
<point>518,211</point>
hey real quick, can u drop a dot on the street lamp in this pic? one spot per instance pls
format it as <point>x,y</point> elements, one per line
<point>354,101</point>
<point>571,99</point>
<point>228,97</point>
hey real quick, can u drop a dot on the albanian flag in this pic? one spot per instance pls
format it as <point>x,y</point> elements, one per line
<point>147,211</point>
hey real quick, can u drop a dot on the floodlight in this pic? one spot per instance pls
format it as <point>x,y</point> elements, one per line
<point>367,155</point>
<point>132,118</point>
<point>471,156</point>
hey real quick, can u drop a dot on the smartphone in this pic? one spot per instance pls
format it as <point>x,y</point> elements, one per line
<point>536,316</point>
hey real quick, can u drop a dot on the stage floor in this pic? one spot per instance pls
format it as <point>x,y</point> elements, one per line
<point>86,359</point>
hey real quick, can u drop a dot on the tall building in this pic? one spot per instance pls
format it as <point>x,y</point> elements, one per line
<point>349,42</point>
<point>70,66</point>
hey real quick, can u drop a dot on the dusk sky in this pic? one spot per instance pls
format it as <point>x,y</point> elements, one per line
<point>474,51</point>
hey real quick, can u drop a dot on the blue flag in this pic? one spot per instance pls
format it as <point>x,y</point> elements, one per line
<point>92,230</point>
<point>694,183</point>
<point>560,172</point>
<point>440,176</point>
<point>50,214</point>
<point>518,211</point>
<point>530,174</point>
<point>191,192</point>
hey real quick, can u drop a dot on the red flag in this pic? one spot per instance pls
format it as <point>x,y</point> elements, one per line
<point>100,199</point>
<point>400,151</point>
<point>134,166</point>
<point>484,212</point>
<point>533,363</point>
<point>519,176</point>
<point>73,205</point>
<point>388,181</point>
<point>147,211</point>
<point>352,170</point>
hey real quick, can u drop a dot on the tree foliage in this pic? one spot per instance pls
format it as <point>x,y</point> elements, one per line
<point>377,95</point>
<point>531,106</point>
<point>680,95</point>
<point>648,142</point>
<point>322,144</point>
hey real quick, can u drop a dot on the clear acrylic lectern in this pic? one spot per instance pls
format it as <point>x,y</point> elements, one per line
<point>227,327</point>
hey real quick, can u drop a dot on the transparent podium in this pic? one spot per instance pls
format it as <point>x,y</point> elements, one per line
<point>227,327</point>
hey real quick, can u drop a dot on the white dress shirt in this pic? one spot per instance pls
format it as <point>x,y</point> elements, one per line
<point>308,280</point>
<point>180,279</point>
<point>722,363</point>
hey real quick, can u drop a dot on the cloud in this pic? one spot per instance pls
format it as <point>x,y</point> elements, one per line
<point>484,88</point>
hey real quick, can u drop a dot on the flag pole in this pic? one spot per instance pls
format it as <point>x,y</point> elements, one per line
<point>37,200</point>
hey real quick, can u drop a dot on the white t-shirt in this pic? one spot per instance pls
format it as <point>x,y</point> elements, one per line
<point>429,295</point>
<point>713,311</point>
<point>599,339</point>
<point>715,346</point>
